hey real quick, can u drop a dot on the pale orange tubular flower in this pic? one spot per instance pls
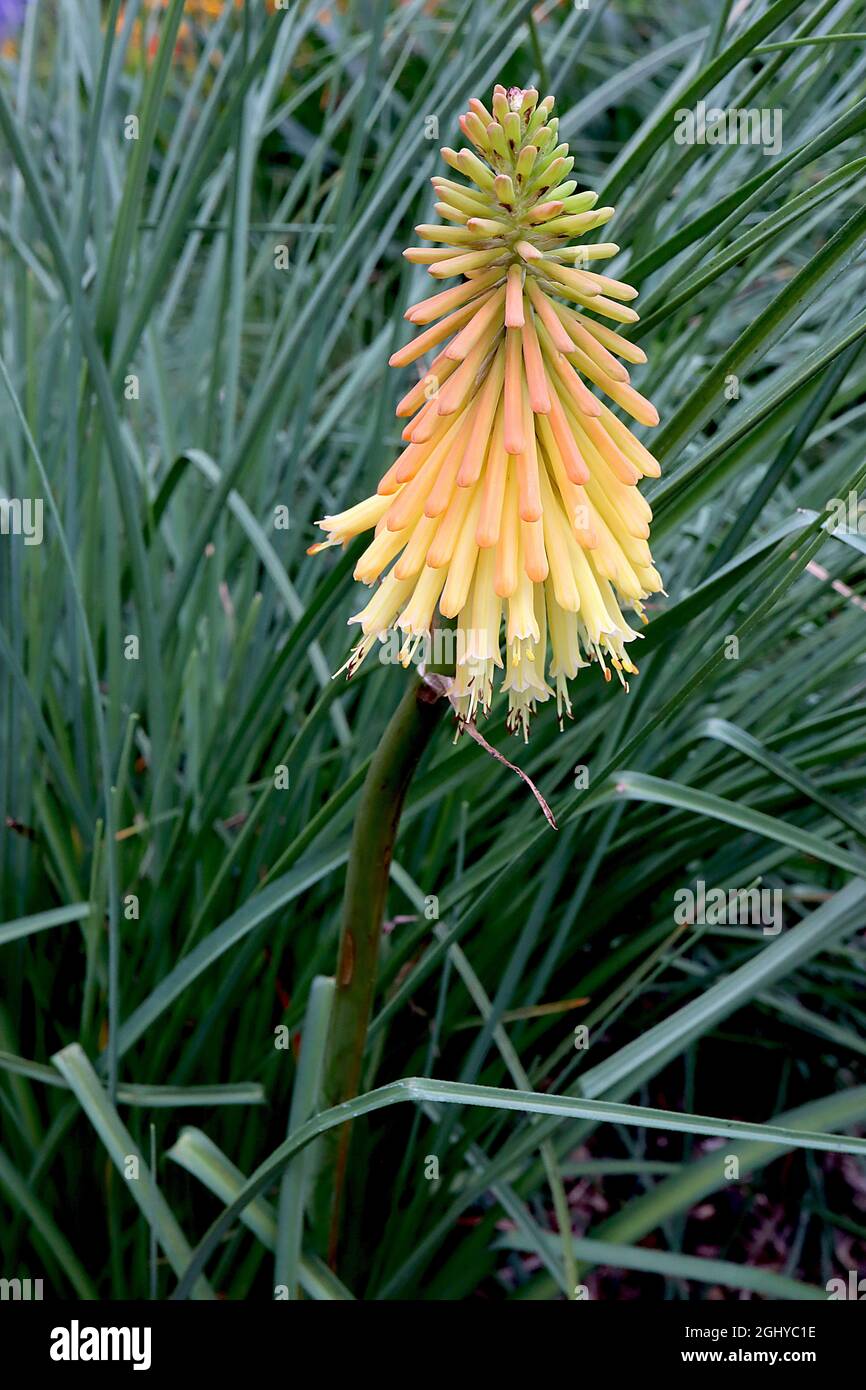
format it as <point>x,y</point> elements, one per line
<point>513,508</point>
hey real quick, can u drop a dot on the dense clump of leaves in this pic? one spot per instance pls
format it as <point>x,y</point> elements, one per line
<point>194,330</point>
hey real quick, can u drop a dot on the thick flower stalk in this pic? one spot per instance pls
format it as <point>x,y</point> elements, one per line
<point>514,506</point>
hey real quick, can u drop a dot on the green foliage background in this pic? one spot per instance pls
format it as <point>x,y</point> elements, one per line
<point>261,388</point>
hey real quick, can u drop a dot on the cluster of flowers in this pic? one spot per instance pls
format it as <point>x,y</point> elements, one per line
<point>514,501</point>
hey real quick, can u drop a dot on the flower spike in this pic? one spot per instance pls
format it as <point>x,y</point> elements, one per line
<point>514,508</point>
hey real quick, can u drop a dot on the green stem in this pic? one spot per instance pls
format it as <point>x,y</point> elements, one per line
<point>373,839</point>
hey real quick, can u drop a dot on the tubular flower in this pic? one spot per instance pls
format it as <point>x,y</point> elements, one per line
<point>513,506</point>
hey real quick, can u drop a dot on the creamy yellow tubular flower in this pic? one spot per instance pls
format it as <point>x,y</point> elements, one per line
<point>513,508</point>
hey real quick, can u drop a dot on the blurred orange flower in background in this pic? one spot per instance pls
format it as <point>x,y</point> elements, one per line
<point>195,11</point>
